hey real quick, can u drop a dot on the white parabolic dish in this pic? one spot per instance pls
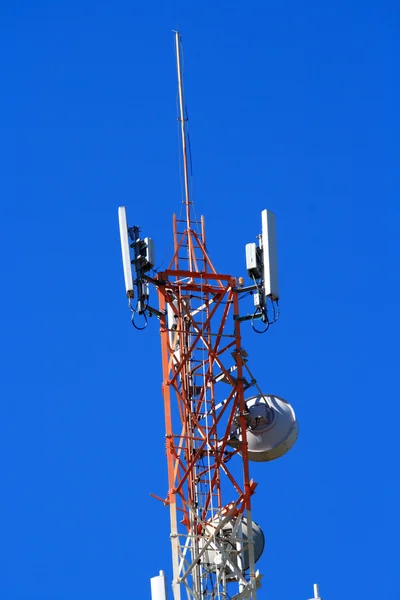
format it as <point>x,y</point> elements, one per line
<point>272,428</point>
<point>212,555</point>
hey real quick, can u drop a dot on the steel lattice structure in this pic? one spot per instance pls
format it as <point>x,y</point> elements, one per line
<point>201,351</point>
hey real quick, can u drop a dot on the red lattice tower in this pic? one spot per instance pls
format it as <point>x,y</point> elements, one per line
<point>202,350</point>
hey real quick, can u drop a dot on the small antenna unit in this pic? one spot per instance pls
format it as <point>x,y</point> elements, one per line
<point>143,261</point>
<point>262,267</point>
<point>159,587</point>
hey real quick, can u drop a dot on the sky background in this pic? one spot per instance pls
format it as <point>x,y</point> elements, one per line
<point>293,107</point>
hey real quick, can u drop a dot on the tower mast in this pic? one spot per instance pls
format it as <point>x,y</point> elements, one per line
<point>195,334</point>
<point>211,429</point>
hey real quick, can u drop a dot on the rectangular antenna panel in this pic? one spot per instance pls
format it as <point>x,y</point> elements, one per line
<point>270,257</point>
<point>158,587</point>
<point>125,248</point>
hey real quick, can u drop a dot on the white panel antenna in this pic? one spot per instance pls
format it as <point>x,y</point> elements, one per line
<point>125,248</point>
<point>270,257</point>
<point>159,587</point>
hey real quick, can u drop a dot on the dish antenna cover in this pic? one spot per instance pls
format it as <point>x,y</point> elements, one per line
<point>272,428</point>
<point>229,542</point>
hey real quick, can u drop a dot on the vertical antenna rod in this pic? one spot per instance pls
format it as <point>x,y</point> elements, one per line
<point>183,129</point>
<point>316,592</point>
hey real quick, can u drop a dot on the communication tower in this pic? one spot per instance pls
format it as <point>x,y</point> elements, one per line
<point>217,418</point>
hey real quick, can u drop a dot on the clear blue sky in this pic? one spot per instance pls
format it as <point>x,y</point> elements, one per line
<point>293,106</point>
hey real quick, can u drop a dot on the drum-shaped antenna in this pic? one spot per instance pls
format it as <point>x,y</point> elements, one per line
<point>226,539</point>
<point>272,428</point>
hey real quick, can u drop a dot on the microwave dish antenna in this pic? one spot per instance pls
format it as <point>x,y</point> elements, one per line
<point>272,428</point>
